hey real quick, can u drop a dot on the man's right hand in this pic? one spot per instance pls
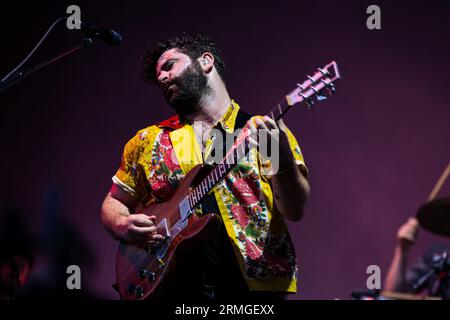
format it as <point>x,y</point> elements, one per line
<point>139,230</point>
<point>408,233</point>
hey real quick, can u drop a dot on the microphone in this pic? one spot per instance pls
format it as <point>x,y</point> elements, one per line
<point>108,36</point>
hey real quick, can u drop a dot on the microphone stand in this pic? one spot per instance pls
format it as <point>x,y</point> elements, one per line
<point>18,76</point>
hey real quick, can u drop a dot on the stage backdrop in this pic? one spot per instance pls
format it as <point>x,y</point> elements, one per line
<point>374,150</point>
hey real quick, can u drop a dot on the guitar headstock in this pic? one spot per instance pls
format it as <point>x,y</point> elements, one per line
<point>315,86</point>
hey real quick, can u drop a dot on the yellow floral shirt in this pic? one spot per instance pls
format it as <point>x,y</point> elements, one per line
<point>157,158</point>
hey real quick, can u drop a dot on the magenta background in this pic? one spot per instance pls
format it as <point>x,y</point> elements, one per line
<point>374,151</point>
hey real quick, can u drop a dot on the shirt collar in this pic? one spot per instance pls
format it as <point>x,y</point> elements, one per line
<point>227,121</point>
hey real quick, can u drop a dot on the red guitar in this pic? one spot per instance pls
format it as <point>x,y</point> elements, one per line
<point>145,274</point>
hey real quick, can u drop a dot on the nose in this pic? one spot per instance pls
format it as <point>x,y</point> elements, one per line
<point>163,78</point>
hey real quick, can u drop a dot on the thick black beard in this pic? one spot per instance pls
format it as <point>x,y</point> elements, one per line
<point>191,86</point>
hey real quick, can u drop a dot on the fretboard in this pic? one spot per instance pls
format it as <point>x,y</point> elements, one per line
<point>238,151</point>
<point>311,87</point>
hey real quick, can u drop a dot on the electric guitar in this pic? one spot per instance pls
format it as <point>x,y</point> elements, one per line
<point>143,273</point>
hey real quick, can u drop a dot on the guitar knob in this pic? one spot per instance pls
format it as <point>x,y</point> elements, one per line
<point>145,273</point>
<point>151,276</point>
<point>139,292</point>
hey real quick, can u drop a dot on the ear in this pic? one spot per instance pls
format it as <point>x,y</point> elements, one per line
<point>206,61</point>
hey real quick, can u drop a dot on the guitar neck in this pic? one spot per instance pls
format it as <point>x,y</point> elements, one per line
<point>237,152</point>
<point>313,86</point>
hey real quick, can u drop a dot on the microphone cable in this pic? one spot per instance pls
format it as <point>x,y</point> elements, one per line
<point>35,47</point>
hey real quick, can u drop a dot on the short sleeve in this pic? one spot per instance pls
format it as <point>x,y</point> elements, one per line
<point>266,165</point>
<point>296,152</point>
<point>129,176</point>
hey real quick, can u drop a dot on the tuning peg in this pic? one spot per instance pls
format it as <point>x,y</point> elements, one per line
<point>310,103</point>
<point>329,86</point>
<point>139,292</point>
<point>319,95</point>
<point>324,72</point>
<point>311,79</point>
<point>332,89</point>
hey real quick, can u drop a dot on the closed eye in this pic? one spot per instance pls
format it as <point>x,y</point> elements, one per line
<point>168,65</point>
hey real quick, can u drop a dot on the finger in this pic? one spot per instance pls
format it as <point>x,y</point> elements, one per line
<point>157,237</point>
<point>260,124</point>
<point>252,130</point>
<point>270,123</point>
<point>413,221</point>
<point>143,230</point>
<point>408,236</point>
<point>413,229</point>
<point>141,215</point>
<point>252,142</point>
<point>252,133</point>
<point>403,235</point>
<point>251,123</point>
<point>143,223</point>
<point>142,219</point>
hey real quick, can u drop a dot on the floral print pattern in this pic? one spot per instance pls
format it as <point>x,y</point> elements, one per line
<point>263,246</point>
<point>256,238</point>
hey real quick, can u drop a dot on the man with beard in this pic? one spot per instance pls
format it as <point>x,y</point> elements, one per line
<point>252,254</point>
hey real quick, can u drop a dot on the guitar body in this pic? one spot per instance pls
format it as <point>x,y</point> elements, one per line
<point>146,274</point>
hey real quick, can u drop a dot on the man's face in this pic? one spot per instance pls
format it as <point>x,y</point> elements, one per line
<point>182,81</point>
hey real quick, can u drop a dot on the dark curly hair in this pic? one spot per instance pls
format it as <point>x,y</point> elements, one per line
<point>194,44</point>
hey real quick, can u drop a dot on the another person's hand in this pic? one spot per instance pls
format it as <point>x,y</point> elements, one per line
<point>408,233</point>
<point>139,230</point>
